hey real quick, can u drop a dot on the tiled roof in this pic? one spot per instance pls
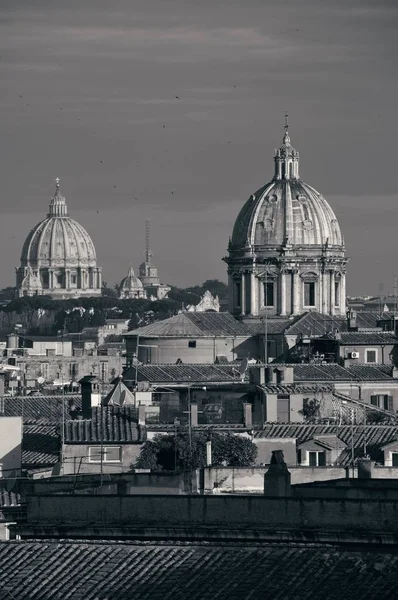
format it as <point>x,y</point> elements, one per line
<point>41,444</point>
<point>109,424</point>
<point>206,324</point>
<point>69,570</point>
<point>9,498</point>
<point>183,373</point>
<point>314,324</point>
<point>274,326</point>
<point>296,388</point>
<point>36,407</point>
<point>374,436</point>
<point>335,372</point>
<point>366,338</point>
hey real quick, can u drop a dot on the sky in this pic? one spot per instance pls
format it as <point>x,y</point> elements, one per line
<point>170,110</point>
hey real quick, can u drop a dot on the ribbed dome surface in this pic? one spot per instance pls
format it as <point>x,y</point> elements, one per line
<point>131,282</point>
<point>286,210</point>
<point>58,238</point>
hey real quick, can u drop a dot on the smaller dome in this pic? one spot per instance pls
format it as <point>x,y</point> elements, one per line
<point>131,286</point>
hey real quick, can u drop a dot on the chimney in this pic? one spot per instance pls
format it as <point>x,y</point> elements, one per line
<point>277,478</point>
<point>12,341</point>
<point>365,468</point>
<point>90,395</point>
<point>352,320</point>
<point>247,414</point>
<point>2,377</point>
<point>141,415</point>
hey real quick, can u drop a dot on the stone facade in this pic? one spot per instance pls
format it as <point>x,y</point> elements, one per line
<point>287,254</point>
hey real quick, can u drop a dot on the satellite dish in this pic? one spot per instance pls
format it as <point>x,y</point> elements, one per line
<point>40,380</point>
<point>243,368</point>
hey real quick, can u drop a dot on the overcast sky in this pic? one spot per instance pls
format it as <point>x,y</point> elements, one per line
<point>88,94</point>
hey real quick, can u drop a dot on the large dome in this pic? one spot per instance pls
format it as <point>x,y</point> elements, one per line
<point>290,211</point>
<point>287,252</point>
<point>60,253</point>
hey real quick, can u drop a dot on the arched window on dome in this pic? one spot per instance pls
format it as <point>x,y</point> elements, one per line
<point>269,293</point>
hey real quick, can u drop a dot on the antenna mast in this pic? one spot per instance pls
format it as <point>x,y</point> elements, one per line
<point>395,296</point>
<point>148,254</point>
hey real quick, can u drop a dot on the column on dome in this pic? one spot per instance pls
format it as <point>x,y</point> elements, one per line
<point>253,295</point>
<point>67,279</point>
<point>231,294</point>
<point>342,294</point>
<point>50,279</point>
<point>99,279</point>
<point>243,294</point>
<point>332,292</point>
<point>296,291</point>
<point>260,286</point>
<point>283,291</point>
<point>323,285</point>
<point>318,293</point>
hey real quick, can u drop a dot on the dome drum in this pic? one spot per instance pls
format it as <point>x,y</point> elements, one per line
<point>287,254</point>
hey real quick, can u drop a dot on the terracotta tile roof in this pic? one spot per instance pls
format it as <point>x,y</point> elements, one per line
<point>274,326</point>
<point>375,436</point>
<point>36,407</point>
<point>41,444</point>
<point>206,324</point>
<point>314,324</point>
<point>183,373</point>
<point>335,372</point>
<point>111,424</point>
<point>366,338</point>
<point>90,571</point>
<point>296,388</point>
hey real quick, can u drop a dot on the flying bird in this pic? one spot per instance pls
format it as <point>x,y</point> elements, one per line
<point>177,97</point>
<point>101,162</point>
<point>114,186</point>
<point>97,212</point>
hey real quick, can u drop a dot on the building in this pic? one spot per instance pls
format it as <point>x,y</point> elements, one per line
<point>131,287</point>
<point>10,446</point>
<point>207,302</point>
<point>148,273</point>
<point>58,257</point>
<point>287,253</point>
<point>191,337</point>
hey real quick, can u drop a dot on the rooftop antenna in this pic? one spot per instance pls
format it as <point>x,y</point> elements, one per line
<point>395,296</point>
<point>381,289</point>
<point>148,253</point>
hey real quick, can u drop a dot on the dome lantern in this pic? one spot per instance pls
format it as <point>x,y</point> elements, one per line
<point>286,158</point>
<point>57,206</point>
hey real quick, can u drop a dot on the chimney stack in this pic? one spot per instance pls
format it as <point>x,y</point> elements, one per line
<point>352,320</point>
<point>90,394</point>
<point>247,414</point>
<point>277,478</point>
<point>141,415</point>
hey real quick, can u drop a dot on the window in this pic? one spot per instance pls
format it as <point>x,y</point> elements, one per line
<point>44,370</point>
<point>73,370</point>
<point>192,344</point>
<point>394,457</point>
<point>371,356</point>
<point>111,454</point>
<point>337,293</point>
<point>269,293</point>
<point>309,293</point>
<point>317,459</point>
<point>73,279</point>
<point>382,401</point>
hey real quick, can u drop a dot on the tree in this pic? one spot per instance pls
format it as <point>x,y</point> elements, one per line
<point>170,452</point>
<point>311,410</point>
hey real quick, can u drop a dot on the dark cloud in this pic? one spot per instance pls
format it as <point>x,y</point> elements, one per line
<point>88,93</point>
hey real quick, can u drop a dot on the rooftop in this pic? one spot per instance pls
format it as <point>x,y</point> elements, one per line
<point>183,373</point>
<point>335,372</point>
<point>366,338</point>
<point>109,424</point>
<point>36,407</point>
<point>204,324</point>
<point>72,569</point>
<point>41,444</point>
